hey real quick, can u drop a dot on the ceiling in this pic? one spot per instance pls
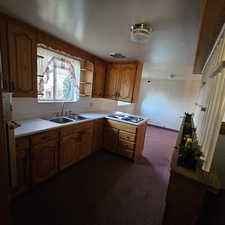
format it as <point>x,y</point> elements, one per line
<point>102,26</point>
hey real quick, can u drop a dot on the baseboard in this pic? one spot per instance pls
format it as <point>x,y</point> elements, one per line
<point>165,128</point>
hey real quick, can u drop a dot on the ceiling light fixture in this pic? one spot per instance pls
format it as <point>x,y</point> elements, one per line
<point>117,55</point>
<point>140,32</point>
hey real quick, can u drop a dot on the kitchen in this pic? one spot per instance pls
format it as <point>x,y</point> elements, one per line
<point>88,129</point>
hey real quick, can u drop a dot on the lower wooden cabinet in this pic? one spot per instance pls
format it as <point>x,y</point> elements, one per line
<point>44,162</point>
<point>110,139</point>
<point>98,135</point>
<point>40,156</point>
<point>86,143</point>
<point>76,143</point>
<point>124,139</point>
<point>69,150</point>
<point>22,165</point>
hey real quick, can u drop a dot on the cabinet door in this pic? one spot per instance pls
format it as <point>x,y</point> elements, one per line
<point>86,146</point>
<point>23,60</point>
<point>127,79</point>
<point>22,166</point>
<point>4,70</point>
<point>98,135</point>
<point>110,140</point>
<point>69,150</point>
<point>99,78</point>
<point>112,79</point>
<point>44,161</point>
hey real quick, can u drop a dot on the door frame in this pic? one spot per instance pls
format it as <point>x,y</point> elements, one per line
<point>4,172</point>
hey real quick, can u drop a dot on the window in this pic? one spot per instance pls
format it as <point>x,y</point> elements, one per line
<point>58,77</point>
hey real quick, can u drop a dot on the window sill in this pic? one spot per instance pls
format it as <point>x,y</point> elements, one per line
<point>56,102</point>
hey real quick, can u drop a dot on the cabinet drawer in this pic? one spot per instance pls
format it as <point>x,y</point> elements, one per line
<point>22,143</point>
<point>122,126</point>
<point>127,136</point>
<point>126,152</point>
<point>68,130</point>
<point>126,144</point>
<point>52,144</point>
<point>44,137</point>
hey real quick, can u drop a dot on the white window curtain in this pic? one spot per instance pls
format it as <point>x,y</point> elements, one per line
<point>210,107</point>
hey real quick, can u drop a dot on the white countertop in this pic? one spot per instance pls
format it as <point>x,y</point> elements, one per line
<point>33,126</point>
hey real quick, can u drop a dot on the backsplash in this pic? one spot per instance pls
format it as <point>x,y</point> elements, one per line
<point>29,108</point>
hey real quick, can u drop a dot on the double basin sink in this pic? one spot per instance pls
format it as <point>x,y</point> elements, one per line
<point>67,119</point>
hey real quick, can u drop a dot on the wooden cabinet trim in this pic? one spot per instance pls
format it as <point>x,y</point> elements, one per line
<point>44,137</point>
<point>126,144</point>
<point>127,136</point>
<point>122,126</point>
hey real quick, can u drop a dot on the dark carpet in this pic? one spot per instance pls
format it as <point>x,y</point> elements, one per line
<point>213,210</point>
<point>104,189</point>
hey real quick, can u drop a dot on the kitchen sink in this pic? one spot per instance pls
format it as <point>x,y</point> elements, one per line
<point>76,117</point>
<point>61,120</point>
<point>67,119</point>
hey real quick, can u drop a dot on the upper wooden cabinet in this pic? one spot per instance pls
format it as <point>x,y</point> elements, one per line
<point>4,53</point>
<point>99,79</point>
<point>22,59</point>
<point>86,79</point>
<point>122,81</point>
<point>127,79</point>
<point>112,81</point>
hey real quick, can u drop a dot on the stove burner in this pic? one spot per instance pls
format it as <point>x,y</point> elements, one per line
<point>133,119</point>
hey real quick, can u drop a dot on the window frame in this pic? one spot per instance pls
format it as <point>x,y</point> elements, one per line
<point>59,55</point>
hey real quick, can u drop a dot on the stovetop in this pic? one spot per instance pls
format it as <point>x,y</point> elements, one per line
<point>126,117</point>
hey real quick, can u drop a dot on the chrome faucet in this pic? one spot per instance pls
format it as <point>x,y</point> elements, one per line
<point>62,111</point>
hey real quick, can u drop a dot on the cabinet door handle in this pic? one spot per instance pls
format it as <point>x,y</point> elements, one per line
<point>12,86</point>
<point>5,86</point>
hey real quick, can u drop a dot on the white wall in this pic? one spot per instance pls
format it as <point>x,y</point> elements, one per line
<point>28,108</point>
<point>164,101</point>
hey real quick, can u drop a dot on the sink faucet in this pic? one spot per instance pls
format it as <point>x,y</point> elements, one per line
<point>62,110</point>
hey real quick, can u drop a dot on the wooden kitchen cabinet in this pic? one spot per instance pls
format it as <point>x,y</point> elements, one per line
<point>23,59</point>
<point>4,53</point>
<point>22,165</point>
<point>110,139</point>
<point>112,81</point>
<point>124,139</point>
<point>76,143</point>
<point>98,135</point>
<point>69,150</point>
<point>86,143</point>
<point>86,79</point>
<point>44,155</point>
<point>44,161</point>
<point>123,81</point>
<point>127,79</point>
<point>99,79</point>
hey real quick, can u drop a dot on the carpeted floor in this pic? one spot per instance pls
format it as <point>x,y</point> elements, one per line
<point>104,189</point>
